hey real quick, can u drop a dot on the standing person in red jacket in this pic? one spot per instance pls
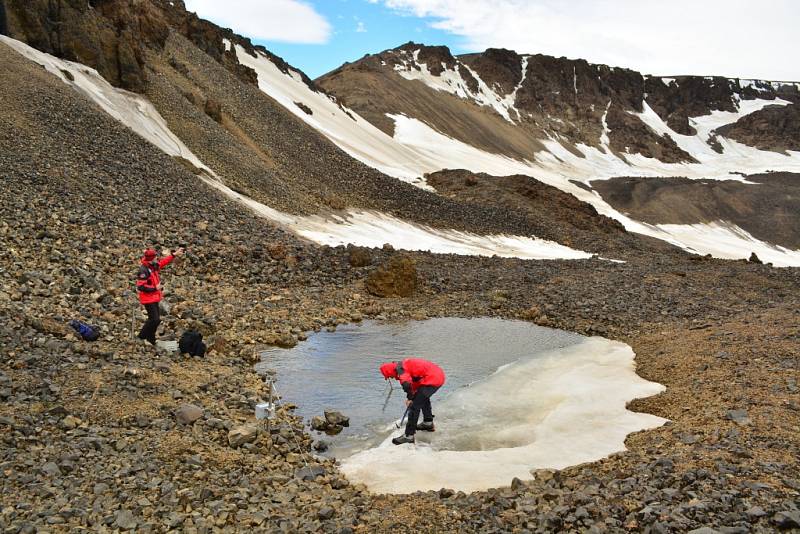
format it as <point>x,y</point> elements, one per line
<point>420,379</point>
<point>148,285</point>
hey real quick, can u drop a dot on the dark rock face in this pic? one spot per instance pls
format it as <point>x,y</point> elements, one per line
<point>435,57</point>
<point>558,97</point>
<point>3,22</point>
<point>629,135</point>
<point>689,96</point>
<point>113,36</point>
<point>497,67</point>
<point>772,128</point>
<point>110,36</point>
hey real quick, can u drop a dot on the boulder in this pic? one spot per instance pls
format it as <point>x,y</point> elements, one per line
<point>396,278</point>
<point>186,414</point>
<point>359,256</point>
<point>319,423</point>
<point>310,472</point>
<point>277,251</point>
<point>336,418</point>
<point>214,110</point>
<point>125,520</point>
<point>787,519</point>
<point>70,422</point>
<point>754,259</point>
<point>738,416</point>
<point>240,435</point>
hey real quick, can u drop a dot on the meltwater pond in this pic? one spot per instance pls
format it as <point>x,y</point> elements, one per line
<point>517,397</point>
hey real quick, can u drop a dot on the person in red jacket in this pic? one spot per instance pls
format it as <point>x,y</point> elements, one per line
<point>420,379</point>
<point>148,285</point>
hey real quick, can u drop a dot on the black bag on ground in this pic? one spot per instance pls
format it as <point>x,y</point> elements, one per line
<point>191,343</point>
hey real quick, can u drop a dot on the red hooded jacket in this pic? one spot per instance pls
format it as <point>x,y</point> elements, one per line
<point>413,373</point>
<point>148,278</point>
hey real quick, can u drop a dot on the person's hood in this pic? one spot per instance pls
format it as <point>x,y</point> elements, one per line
<point>389,370</point>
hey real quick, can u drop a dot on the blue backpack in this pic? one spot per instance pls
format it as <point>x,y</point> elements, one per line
<point>87,332</point>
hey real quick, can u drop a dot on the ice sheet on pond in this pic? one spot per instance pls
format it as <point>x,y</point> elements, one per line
<point>558,409</point>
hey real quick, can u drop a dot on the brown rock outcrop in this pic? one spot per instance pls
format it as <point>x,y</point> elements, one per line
<point>396,278</point>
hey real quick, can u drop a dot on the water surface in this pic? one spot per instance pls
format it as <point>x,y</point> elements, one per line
<point>339,370</point>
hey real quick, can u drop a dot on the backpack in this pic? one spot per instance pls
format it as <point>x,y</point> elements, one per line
<point>191,343</point>
<point>86,331</point>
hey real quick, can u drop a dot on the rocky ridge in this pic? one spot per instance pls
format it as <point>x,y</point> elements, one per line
<point>566,99</point>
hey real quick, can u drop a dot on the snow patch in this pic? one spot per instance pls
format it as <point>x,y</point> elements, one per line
<point>605,141</point>
<point>558,167</point>
<point>372,229</point>
<point>451,81</point>
<point>724,240</point>
<point>563,408</point>
<point>349,131</point>
<point>132,110</point>
<point>417,149</point>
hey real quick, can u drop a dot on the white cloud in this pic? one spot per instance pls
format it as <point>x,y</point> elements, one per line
<point>736,38</point>
<point>290,21</point>
<point>360,28</point>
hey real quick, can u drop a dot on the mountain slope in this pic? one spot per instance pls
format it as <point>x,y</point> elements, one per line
<point>201,86</point>
<point>569,124</point>
<point>571,101</point>
<point>265,131</point>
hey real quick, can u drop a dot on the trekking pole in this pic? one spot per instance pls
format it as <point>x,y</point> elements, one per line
<point>133,314</point>
<point>388,396</point>
<point>398,425</point>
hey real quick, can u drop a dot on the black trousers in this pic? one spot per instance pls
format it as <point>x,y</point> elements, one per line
<point>420,403</point>
<point>151,325</point>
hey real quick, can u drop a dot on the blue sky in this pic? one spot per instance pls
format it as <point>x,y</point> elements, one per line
<point>358,27</point>
<point>733,38</point>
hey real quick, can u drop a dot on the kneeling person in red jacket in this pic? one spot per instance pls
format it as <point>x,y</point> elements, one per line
<point>148,285</point>
<point>420,379</point>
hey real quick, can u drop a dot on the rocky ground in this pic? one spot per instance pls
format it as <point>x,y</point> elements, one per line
<point>115,436</point>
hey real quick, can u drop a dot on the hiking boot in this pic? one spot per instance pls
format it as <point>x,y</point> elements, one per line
<point>399,440</point>
<point>426,426</point>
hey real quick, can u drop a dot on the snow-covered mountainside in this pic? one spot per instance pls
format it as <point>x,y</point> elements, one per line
<point>344,159</point>
<point>581,123</point>
<point>361,228</point>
